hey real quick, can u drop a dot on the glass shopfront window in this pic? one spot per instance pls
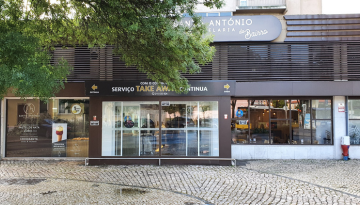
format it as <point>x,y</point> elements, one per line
<point>187,128</point>
<point>190,126</point>
<point>59,128</point>
<point>321,121</point>
<point>239,121</point>
<point>354,121</point>
<point>259,122</point>
<point>282,121</point>
<point>301,128</point>
<point>130,129</point>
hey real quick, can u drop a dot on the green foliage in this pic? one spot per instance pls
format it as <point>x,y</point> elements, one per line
<point>24,65</point>
<point>145,33</point>
<point>278,103</point>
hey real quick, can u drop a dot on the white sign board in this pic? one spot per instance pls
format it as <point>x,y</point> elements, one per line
<point>94,123</point>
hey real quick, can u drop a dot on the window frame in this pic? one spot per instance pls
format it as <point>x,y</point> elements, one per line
<point>312,119</point>
<point>349,119</point>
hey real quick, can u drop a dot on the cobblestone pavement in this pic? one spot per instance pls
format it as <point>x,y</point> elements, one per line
<point>257,182</point>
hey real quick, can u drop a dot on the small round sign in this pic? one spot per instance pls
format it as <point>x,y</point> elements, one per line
<point>76,109</point>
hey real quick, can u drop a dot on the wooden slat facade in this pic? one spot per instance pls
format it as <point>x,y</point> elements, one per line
<point>243,62</point>
<point>335,27</point>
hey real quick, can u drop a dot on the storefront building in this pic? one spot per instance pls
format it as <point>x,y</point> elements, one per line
<point>279,87</point>
<point>140,122</point>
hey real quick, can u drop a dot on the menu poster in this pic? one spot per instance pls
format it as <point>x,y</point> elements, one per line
<point>59,137</point>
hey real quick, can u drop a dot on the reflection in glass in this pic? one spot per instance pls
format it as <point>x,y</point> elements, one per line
<point>259,122</point>
<point>240,121</point>
<point>321,109</point>
<point>300,114</point>
<point>354,131</point>
<point>322,132</point>
<point>190,129</point>
<point>292,122</point>
<point>118,142</point>
<point>110,123</point>
<point>130,115</point>
<point>354,109</point>
<point>149,143</point>
<point>280,109</point>
<point>192,114</point>
<point>354,122</point>
<point>118,117</point>
<point>239,109</point>
<point>174,116</point>
<point>173,142</point>
<point>209,143</point>
<point>192,143</point>
<point>130,129</point>
<point>149,115</point>
<point>130,143</point>
<point>208,114</point>
<point>30,128</point>
<point>240,131</point>
<point>180,129</point>
<point>280,132</point>
<point>149,123</point>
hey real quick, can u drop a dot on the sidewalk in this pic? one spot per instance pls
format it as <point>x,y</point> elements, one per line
<point>255,182</point>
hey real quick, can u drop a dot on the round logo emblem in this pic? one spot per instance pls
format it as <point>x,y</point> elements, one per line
<point>76,109</point>
<point>29,108</point>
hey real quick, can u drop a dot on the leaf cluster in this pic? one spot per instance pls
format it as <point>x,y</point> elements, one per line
<point>145,33</point>
<point>25,67</point>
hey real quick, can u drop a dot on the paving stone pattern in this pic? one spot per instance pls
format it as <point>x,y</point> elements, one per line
<point>258,182</point>
<point>335,174</point>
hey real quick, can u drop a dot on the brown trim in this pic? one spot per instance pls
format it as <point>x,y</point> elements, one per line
<point>160,128</point>
<point>156,162</point>
<point>72,90</point>
<point>122,162</point>
<point>155,98</point>
<point>353,97</point>
<point>224,129</point>
<point>95,109</point>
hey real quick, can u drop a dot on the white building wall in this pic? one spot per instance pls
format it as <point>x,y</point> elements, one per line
<point>302,151</point>
<point>339,125</point>
<point>282,152</point>
<point>340,7</point>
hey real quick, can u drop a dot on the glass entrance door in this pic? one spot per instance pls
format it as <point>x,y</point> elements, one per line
<point>188,128</point>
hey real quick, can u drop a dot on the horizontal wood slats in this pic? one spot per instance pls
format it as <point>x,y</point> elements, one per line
<point>322,61</point>
<point>323,27</point>
<point>338,33</point>
<point>321,16</point>
<point>322,22</point>
<point>307,39</point>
